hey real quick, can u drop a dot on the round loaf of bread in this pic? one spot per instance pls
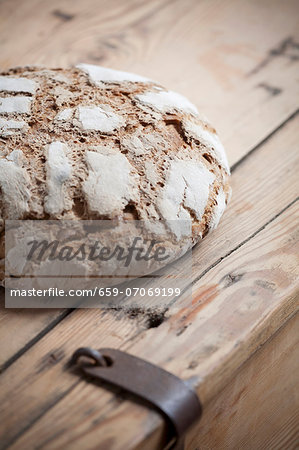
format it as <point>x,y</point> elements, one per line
<point>94,143</point>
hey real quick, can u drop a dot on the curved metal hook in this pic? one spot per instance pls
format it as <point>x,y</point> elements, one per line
<point>89,353</point>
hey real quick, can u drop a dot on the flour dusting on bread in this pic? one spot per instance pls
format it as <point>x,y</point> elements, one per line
<point>95,143</point>
<point>58,170</point>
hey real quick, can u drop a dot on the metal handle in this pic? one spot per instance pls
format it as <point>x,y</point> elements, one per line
<point>177,402</point>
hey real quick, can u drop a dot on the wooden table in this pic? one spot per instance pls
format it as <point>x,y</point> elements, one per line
<point>235,337</point>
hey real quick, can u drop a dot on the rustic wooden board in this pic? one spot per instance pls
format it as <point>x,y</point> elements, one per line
<point>238,62</point>
<point>20,328</point>
<point>259,408</point>
<point>247,210</point>
<point>43,388</point>
<point>47,33</point>
<point>241,317</point>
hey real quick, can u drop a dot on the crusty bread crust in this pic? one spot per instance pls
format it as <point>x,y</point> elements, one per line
<point>94,143</point>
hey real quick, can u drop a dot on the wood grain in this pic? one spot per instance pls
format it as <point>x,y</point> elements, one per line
<point>238,62</point>
<point>19,328</point>
<point>247,212</point>
<point>227,331</point>
<point>259,408</point>
<point>238,66</point>
<point>242,316</point>
<point>147,37</point>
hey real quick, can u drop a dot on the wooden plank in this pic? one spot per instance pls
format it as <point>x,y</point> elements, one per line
<point>251,214</point>
<point>29,376</point>
<point>259,408</point>
<point>28,392</point>
<point>235,64</point>
<point>228,330</point>
<point>20,328</point>
<point>245,110</point>
<point>43,31</point>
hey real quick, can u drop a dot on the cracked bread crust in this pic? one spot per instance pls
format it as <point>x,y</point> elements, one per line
<point>94,143</point>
